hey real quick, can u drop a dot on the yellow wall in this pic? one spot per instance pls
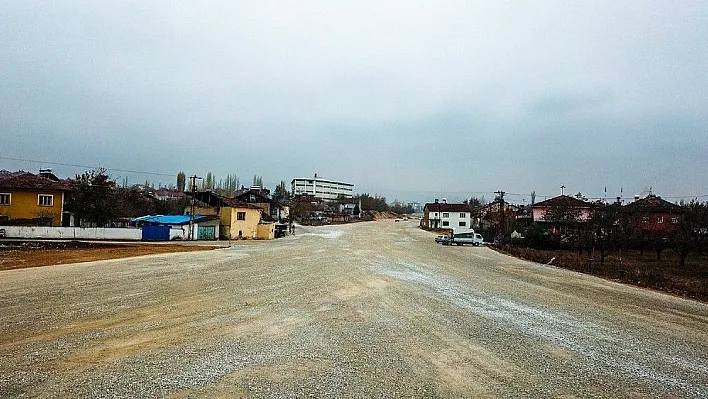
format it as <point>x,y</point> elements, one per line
<point>266,231</point>
<point>230,225</point>
<point>25,205</point>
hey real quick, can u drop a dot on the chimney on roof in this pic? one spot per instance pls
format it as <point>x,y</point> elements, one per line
<point>636,197</point>
<point>315,175</point>
<point>436,200</point>
<point>444,200</point>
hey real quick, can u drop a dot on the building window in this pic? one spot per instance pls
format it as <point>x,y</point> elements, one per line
<point>240,215</point>
<point>660,219</point>
<point>46,200</point>
<point>446,223</point>
<point>4,199</point>
<point>674,220</point>
<point>645,219</point>
<point>446,215</point>
<point>463,224</point>
<point>463,215</point>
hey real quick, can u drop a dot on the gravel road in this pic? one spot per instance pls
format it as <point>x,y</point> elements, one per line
<point>372,309</point>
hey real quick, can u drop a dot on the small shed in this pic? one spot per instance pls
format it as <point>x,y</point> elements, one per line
<point>176,227</point>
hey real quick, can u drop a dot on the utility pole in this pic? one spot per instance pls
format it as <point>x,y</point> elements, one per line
<point>502,219</point>
<point>193,180</point>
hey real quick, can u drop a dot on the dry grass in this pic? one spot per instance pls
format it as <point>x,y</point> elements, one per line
<point>631,267</point>
<point>57,253</point>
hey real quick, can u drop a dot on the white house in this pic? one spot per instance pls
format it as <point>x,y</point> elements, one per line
<point>322,188</point>
<point>441,215</point>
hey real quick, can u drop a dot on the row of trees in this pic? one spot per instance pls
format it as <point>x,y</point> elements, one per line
<point>611,228</point>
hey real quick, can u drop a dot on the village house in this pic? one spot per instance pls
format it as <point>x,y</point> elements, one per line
<point>490,215</point>
<point>562,208</point>
<point>273,210</point>
<point>441,215</point>
<point>653,213</point>
<point>237,220</point>
<point>29,199</point>
<point>562,214</point>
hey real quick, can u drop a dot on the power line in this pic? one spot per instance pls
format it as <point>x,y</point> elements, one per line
<point>85,166</point>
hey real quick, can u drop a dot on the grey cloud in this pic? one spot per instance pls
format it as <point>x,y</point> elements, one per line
<point>391,96</point>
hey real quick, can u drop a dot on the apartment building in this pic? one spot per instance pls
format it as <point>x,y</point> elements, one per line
<point>327,190</point>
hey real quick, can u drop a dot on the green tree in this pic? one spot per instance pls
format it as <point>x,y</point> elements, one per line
<point>181,181</point>
<point>209,181</point>
<point>375,203</point>
<point>281,193</point>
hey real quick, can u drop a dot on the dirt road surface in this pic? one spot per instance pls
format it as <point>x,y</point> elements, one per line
<point>373,309</point>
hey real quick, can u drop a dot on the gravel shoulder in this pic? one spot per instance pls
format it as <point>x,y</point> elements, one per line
<point>372,309</point>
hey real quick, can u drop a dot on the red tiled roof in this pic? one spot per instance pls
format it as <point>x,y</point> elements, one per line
<point>441,207</point>
<point>30,181</point>
<point>652,203</point>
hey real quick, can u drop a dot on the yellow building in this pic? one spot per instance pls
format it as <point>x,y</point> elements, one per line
<point>237,220</point>
<point>31,199</point>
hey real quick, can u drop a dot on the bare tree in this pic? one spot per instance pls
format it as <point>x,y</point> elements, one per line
<point>691,236</point>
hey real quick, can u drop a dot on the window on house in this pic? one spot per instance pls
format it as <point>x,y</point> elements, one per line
<point>446,223</point>
<point>240,215</point>
<point>463,224</point>
<point>446,215</point>
<point>4,199</point>
<point>674,220</point>
<point>645,219</point>
<point>660,219</point>
<point>463,215</point>
<point>46,200</point>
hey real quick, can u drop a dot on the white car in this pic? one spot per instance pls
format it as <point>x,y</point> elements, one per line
<point>461,239</point>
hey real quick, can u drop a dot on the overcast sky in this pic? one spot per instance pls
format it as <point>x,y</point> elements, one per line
<point>411,100</point>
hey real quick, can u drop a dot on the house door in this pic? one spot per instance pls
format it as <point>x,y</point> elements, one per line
<point>206,233</point>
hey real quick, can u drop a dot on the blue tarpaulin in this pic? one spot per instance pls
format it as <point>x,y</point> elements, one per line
<point>166,219</point>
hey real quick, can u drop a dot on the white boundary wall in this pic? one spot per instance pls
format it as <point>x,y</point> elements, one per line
<point>71,233</point>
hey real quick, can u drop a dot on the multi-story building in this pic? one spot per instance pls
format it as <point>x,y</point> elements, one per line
<point>441,215</point>
<point>327,190</point>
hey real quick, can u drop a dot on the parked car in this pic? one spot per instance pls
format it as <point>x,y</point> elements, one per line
<point>445,240</point>
<point>473,238</point>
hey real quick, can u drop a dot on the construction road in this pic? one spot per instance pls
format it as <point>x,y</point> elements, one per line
<point>366,310</point>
